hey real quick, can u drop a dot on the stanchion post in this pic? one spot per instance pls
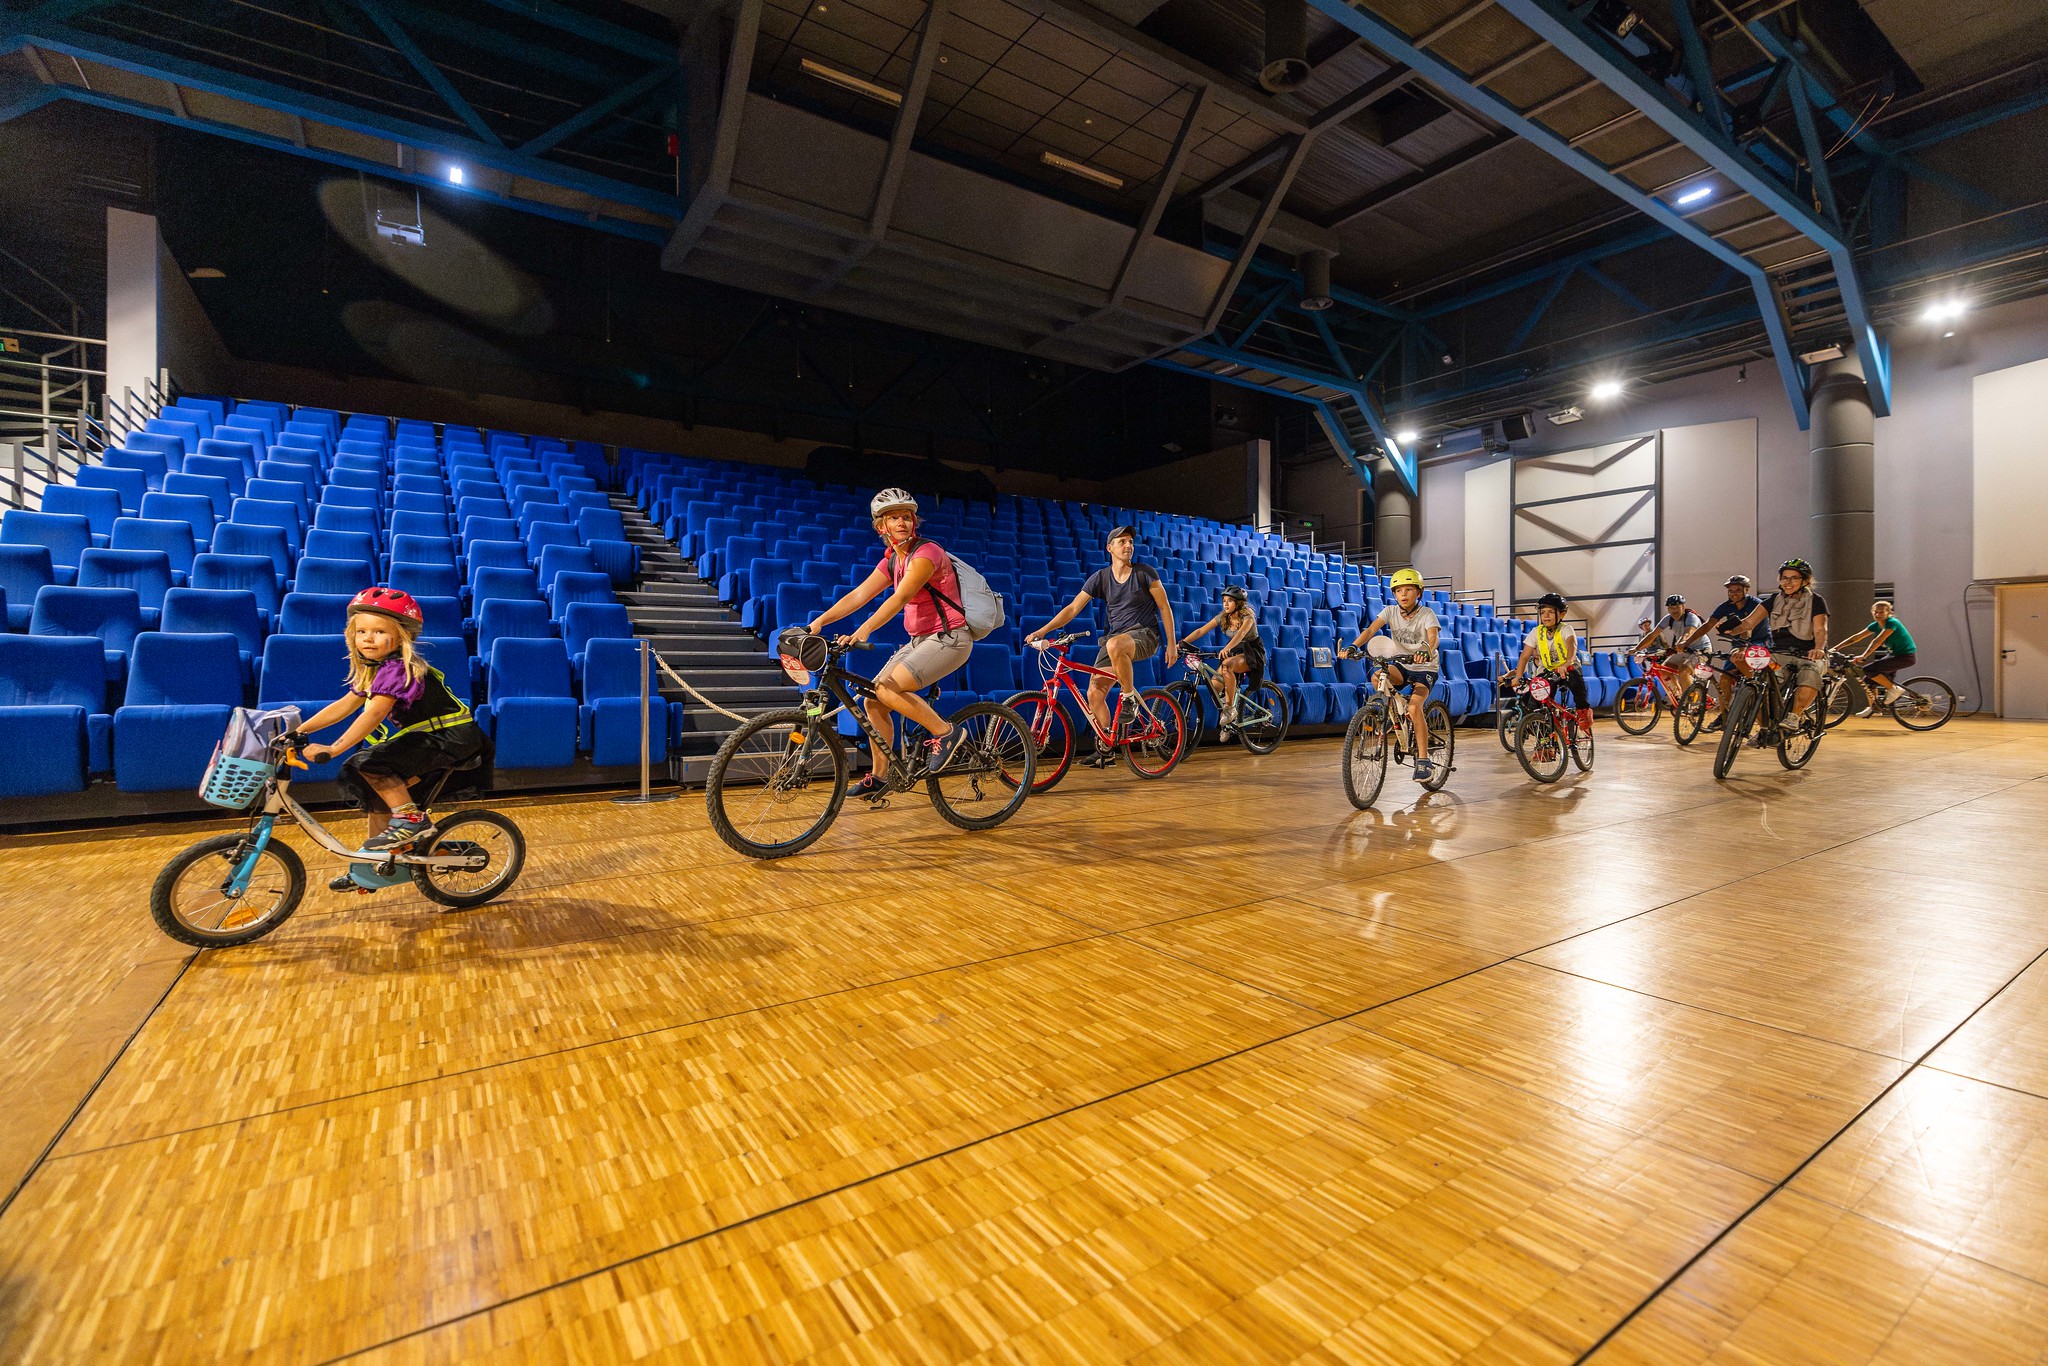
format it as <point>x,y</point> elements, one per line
<point>646,794</point>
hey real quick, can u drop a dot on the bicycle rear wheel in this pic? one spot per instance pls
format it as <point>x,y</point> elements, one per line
<point>1838,700</point>
<point>1540,747</point>
<point>776,784</point>
<point>1735,724</point>
<point>989,775</point>
<point>1365,755</point>
<point>1160,744</point>
<point>483,835</point>
<point>1442,742</point>
<point>1923,703</point>
<point>1638,707</point>
<point>1263,736</point>
<point>1581,742</point>
<point>1051,735</point>
<point>191,903</point>
<point>1506,714</point>
<point>1691,712</point>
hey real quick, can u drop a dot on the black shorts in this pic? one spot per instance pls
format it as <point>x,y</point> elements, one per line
<point>1406,676</point>
<point>1254,657</point>
<point>418,758</point>
<point>1888,665</point>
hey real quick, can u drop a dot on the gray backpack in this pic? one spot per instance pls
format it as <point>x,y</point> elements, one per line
<point>980,604</point>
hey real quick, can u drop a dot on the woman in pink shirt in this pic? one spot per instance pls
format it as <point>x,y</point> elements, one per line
<point>927,591</point>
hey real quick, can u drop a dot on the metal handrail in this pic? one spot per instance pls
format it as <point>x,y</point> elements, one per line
<point>53,336</point>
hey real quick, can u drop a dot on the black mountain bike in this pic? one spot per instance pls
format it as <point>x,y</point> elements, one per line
<point>1763,701</point>
<point>778,782</point>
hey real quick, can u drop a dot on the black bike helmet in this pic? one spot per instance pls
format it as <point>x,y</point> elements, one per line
<point>1554,601</point>
<point>1675,600</point>
<point>1797,566</point>
<point>1235,593</point>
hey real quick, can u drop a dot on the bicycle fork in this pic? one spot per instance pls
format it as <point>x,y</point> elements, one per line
<point>238,882</point>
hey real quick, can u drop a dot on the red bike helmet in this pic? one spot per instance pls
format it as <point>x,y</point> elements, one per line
<point>390,602</point>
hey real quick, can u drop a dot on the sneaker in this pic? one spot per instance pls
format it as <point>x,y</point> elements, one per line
<point>870,786</point>
<point>1424,770</point>
<point>345,883</point>
<point>402,831</point>
<point>939,749</point>
<point>1712,726</point>
<point>1585,718</point>
<point>1103,757</point>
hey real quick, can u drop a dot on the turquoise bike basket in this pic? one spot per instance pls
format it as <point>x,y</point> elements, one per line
<point>236,784</point>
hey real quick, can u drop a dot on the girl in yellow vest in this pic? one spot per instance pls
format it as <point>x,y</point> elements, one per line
<point>1554,648</point>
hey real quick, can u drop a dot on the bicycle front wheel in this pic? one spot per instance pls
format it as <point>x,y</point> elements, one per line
<point>191,901</point>
<point>1691,712</point>
<point>1735,724</point>
<point>1262,735</point>
<point>1923,703</point>
<point>1158,745</point>
<point>1051,736</point>
<point>1365,755</point>
<point>491,842</point>
<point>1798,739</point>
<point>1838,700</point>
<point>989,775</point>
<point>1638,707</point>
<point>776,784</point>
<point>1540,747</point>
<point>1442,741</point>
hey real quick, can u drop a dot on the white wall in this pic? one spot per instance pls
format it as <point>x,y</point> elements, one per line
<point>2009,463</point>
<point>134,304</point>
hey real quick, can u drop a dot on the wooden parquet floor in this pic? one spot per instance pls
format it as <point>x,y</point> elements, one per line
<point>1636,1068</point>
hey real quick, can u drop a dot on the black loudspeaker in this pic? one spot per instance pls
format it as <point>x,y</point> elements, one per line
<point>1518,427</point>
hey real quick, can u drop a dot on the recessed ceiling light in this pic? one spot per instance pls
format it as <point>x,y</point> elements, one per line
<point>1081,169</point>
<point>846,81</point>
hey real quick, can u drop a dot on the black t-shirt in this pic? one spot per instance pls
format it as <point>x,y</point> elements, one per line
<point>1129,603</point>
<point>1760,636</point>
<point>1791,620</point>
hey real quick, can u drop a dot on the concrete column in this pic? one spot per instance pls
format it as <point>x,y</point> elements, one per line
<point>1258,473</point>
<point>134,301</point>
<point>1844,518</point>
<point>1393,518</point>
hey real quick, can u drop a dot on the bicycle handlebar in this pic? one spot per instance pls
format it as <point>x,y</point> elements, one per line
<point>1058,642</point>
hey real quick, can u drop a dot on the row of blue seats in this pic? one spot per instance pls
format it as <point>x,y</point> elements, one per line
<point>181,688</point>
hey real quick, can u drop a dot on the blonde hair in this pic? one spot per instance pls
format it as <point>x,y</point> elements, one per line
<point>362,671</point>
<point>1885,603</point>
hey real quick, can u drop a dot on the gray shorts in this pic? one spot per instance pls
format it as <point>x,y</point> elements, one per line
<point>931,658</point>
<point>1803,672</point>
<point>1144,644</point>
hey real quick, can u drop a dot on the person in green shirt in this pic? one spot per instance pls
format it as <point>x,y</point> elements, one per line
<point>1891,644</point>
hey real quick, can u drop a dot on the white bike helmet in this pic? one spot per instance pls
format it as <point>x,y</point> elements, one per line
<point>890,499</point>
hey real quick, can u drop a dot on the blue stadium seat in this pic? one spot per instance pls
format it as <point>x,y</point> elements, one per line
<point>764,576</point>
<point>426,580</point>
<point>261,512</point>
<point>323,544</point>
<point>99,507</point>
<point>181,691</point>
<point>148,572</point>
<point>442,615</point>
<point>24,570</point>
<point>214,491</point>
<point>450,654</point>
<point>307,672</point>
<point>425,524</point>
<point>611,705</point>
<point>314,614</point>
<point>128,485</point>
<point>574,586</point>
<point>557,560</point>
<point>241,538</point>
<point>583,622</point>
<point>1309,703</point>
<point>538,536</point>
<point>65,535</point>
<point>253,574</point>
<point>207,611</point>
<point>228,469</point>
<point>519,584</point>
<point>113,615</point>
<point>339,517</point>
<point>150,464</point>
<point>52,705</point>
<point>501,618</point>
<point>287,491</point>
<point>532,715</point>
<point>345,577</point>
<point>231,446</point>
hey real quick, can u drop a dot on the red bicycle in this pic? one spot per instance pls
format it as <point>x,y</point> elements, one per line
<point>1640,704</point>
<point>1153,739</point>
<point>1550,730</point>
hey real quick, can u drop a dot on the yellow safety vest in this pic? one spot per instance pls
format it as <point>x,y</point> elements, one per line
<point>1550,647</point>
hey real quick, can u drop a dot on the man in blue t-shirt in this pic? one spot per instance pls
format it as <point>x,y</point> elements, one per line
<point>1725,624</point>
<point>1140,618</point>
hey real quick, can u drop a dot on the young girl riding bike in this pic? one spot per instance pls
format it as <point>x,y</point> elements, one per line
<point>1243,655</point>
<point>418,727</point>
<point>1554,648</point>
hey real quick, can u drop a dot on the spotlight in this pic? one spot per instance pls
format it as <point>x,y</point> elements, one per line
<point>1560,416</point>
<point>1698,194</point>
<point>1605,390</point>
<point>1406,435</point>
<point>1944,311</point>
<point>454,175</point>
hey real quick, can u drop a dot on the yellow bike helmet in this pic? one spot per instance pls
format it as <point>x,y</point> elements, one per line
<point>1405,576</point>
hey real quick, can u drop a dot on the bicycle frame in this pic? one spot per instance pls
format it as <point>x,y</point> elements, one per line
<point>1063,670</point>
<point>1566,718</point>
<point>836,683</point>
<point>278,802</point>
<point>1204,675</point>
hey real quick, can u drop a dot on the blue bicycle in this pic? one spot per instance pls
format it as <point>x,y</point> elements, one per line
<point>235,888</point>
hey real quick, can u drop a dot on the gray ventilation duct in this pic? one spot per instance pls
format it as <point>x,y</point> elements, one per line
<point>1315,280</point>
<point>1286,45</point>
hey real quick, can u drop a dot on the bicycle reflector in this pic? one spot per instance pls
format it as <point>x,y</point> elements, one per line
<point>1702,671</point>
<point>1539,688</point>
<point>1758,657</point>
<point>801,654</point>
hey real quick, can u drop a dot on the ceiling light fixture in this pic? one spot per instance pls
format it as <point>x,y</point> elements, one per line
<point>1944,311</point>
<point>1697,194</point>
<point>1406,435</point>
<point>1560,416</point>
<point>207,273</point>
<point>1820,354</point>
<point>847,81</point>
<point>454,175</point>
<point>1605,390</point>
<point>1081,169</point>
